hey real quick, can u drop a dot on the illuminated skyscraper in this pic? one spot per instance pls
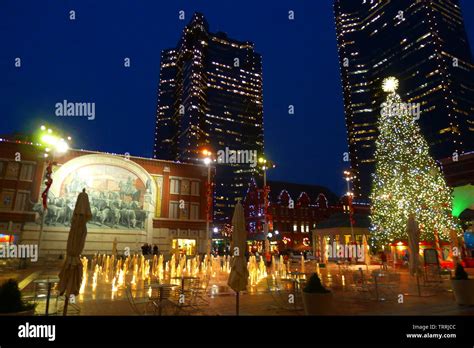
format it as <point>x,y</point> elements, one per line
<point>210,97</point>
<point>424,44</point>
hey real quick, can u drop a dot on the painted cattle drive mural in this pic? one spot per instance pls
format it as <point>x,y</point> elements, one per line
<point>116,198</point>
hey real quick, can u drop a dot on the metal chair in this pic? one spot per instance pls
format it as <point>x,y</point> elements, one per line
<point>199,289</point>
<point>284,298</point>
<point>361,285</point>
<point>136,303</point>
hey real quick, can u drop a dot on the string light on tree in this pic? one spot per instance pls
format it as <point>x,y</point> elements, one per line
<point>406,180</point>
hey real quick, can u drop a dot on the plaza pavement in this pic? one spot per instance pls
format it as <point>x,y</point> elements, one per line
<point>436,298</point>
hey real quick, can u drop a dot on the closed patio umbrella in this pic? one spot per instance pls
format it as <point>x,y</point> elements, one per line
<point>70,277</point>
<point>238,277</point>
<point>366,250</point>
<point>114,247</point>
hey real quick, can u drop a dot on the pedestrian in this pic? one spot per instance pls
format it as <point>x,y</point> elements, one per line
<point>268,258</point>
<point>383,258</point>
<point>406,257</point>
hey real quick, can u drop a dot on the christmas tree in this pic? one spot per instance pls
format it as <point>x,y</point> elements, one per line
<point>406,180</point>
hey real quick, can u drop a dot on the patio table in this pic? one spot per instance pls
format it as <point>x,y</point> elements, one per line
<point>49,281</point>
<point>183,279</point>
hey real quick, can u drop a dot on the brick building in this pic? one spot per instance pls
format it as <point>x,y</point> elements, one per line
<point>133,200</point>
<point>459,173</point>
<point>293,212</point>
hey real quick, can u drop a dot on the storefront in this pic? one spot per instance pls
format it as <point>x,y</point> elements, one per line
<point>133,201</point>
<point>337,231</point>
<point>7,238</point>
<point>256,243</point>
<point>274,247</point>
<point>400,252</point>
<point>221,246</point>
<point>467,221</point>
<point>255,246</point>
<point>469,239</point>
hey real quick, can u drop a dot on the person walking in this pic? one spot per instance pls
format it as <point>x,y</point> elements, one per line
<point>268,258</point>
<point>383,258</point>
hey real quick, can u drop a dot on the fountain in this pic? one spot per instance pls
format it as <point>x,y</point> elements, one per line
<point>94,277</point>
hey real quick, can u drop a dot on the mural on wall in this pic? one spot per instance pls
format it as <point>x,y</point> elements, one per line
<point>116,198</point>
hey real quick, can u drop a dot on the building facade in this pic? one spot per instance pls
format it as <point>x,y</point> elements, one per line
<point>293,211</point>
<point>133,200</point>
<point>459,174</point>
<point>210,97</point>
<point>424,44</point>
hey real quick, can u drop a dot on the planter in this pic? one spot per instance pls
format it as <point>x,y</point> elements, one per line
<point>29,312</point>
<point>318,303</point>
<point>463,291</point>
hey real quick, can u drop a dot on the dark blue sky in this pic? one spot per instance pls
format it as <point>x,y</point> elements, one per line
<point>82,61</point>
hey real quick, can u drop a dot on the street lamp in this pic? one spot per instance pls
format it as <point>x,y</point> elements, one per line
<point>207,161</point>
<point>265,165</point>
<point>54,145</point>
<point>348,177</point>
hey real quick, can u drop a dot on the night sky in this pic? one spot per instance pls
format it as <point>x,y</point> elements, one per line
<point>82,61</point>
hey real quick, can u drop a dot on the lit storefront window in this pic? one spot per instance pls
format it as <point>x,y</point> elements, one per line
<point>184,246</point>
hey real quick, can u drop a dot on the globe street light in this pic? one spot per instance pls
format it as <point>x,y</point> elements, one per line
<point>207,161</point>
<point>348,176</point>
<point>265,165</point>
<point>53,145</point>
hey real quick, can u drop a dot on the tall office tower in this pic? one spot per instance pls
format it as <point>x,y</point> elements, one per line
<point>211,97</point>
<point>424,44</point>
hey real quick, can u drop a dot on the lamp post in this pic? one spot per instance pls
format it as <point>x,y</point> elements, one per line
<point>265,165</point>
<point>348,176</point>
<point>54,146</point>
<point>207,161</point>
